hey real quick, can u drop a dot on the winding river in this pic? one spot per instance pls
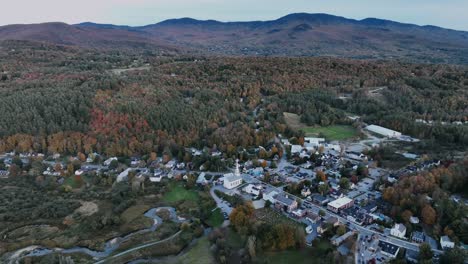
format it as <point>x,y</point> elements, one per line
<point>110,246</point>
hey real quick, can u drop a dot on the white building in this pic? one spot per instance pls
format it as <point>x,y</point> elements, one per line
<point>296,149</point>
<point>270,196</point>
<point>445,242</point>
<point>232,180</point>
<point>314,141</point>
<point>253,189</point>
<point>340,203</point>
<point>383,131</point>
<point>398,230</point>
<point>107,162</point>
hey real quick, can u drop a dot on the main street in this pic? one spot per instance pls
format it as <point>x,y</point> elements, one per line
<point>351,225</point>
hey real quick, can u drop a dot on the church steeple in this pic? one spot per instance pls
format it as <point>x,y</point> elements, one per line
<point>237,172</point>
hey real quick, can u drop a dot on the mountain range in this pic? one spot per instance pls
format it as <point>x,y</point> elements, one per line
<point>299,34</point>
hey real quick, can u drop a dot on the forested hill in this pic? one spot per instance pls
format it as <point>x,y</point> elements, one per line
<point>293,35</point>
<point>60,99</point>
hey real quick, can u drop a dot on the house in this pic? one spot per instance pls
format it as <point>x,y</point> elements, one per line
<point>253,189</point>
<point>370,207</point>
<point>446,243</point>
<point>414,220</point>
<point>319,199</point>
<point>299,213</point>
<point>330,221</point>
<point>305,192</point>
<point>388,249</point>
<point>340,204</point>
<point>4,173</point>
<point>107,162</point>
<point>312,217</point>
<point>412,256</point>
<point>418,237</point>
<point>398,230</point>
<point>296,149</point>
<point>284,202</point>
<point>269,196</point>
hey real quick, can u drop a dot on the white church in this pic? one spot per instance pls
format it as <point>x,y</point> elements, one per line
<point>232,180</point>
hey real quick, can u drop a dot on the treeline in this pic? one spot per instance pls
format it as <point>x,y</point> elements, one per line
<point>58,99</point>
<point>427,195</point>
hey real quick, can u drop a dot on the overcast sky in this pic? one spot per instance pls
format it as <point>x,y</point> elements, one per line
<point>444,13</point>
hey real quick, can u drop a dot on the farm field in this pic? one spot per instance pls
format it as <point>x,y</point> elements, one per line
<point>335,132</point>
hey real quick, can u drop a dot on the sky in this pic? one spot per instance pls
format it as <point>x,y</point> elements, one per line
<point>444,13</point>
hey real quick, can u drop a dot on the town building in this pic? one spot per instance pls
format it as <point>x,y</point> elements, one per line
<point>285,203</point>
<point>270,196</point>
<point>414,220</point>
<point>320,199</point>
<point>398,230</point>
<point>253,189</point>
<point>232,180</point>
<point>446,243</point>
<point>383,131</point>
<point>340,204</point>
<point>388,249</point>
<point>418,237</point>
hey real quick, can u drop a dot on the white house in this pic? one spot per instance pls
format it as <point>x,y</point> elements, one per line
<point>108,161</point>
<point>445,242</point>
<point>232,180</point>
<point>253,189</point>
<point>296,149</point>
<point>270,196</point>
<point>202,179</point>
<point>398,230</point>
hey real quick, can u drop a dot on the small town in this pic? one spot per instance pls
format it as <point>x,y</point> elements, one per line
<point>334,190</point>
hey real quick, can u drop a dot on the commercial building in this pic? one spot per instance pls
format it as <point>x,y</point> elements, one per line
<point>383,131</point>
<point>340,204</point>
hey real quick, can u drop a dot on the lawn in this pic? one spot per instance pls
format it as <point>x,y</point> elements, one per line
<point>178,193</point>
<point>73,181</point>
<point>200,253</point>
<point>318,251</point>
<point>216,218</point>
<point>331,132</point>
<point>270,216</point>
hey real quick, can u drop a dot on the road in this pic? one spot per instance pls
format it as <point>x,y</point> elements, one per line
<point>219,202</point>
<point>351,225</point>
<point>137,248</point>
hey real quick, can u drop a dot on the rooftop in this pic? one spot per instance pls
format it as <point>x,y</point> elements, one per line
<point>284,200</point>
<point>340,202</point>
<point>388,247</point>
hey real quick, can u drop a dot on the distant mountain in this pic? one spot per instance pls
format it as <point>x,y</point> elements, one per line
<point>86,35</point>
<point>299,34</point>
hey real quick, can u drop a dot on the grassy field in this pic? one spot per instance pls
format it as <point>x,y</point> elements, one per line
<point>309,255</point>
<point>133,212</point>
<point>337,132</point>
<point>179,193</point>
<point>200,253</point>
<point>331,132</point>
<point>216,218</point>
